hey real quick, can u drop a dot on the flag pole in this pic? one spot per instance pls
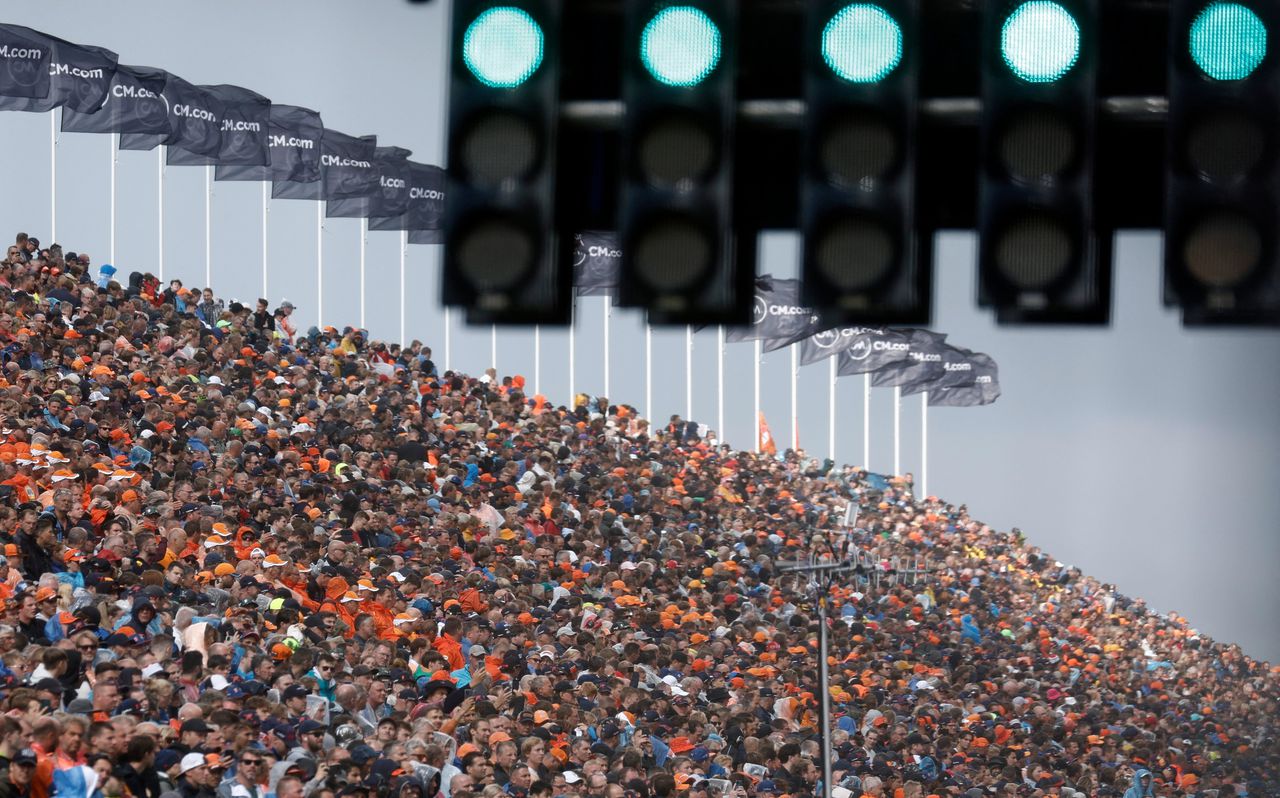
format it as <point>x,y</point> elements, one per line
<point>160,151</point>
<point>924,443</point>
<point>573,354</point>
<point>688,372</point>
<point>795,408</point>
<point>831,406</point>
<point>114,142</point>
<point>897,429</point>
<point>53,177</point>
<point>265,195</point>
<point>720,384</point>
<point>448,323</point>
<point>866,421</point>
<point>493,348</point>
<point>607,303</point>
<point>755,418</point>
<point>364,240</point>
<point>648,370</point>
<point>537,359</point>
<point>319,264</point>
<point>208,225</point>
<point>404,253</point>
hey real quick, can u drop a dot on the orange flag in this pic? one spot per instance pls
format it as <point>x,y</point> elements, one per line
<point>766,442</point>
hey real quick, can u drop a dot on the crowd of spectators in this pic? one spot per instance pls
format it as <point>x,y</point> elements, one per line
<point>241,560</point>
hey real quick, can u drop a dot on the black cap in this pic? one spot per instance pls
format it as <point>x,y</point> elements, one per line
<point>25,757</point>
<point>308,726</point>
<point>295,691</point>
<point>194,725</point>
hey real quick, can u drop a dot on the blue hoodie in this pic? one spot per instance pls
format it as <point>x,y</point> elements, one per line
<point>1136,790</point>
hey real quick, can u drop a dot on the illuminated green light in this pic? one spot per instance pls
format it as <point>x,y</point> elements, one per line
<point>1040,41</point>
<point>503,47</point>
<point>680,46</point>
<point>1228,41</point>
<point>862,43</point>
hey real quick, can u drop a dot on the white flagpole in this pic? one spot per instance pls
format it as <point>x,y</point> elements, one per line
<point>208,225</point>
<point>537,359</point>
<point>114,139</point>
<point>648,371</point>
<point>795,405</point>
<point>319,264</point>
<point>53,177</point>
<point>160,151</point>
<point>573,354</point>
<point>720,384</point>
<point>831,406</point>
<point>364,240</point>
<point>493,347</point>
<point>448,324</point>
<point>404,253</point>
<point>688,372</point>
<point>924,444</point>
<point>265,196</point>
<point>897,430</point>
<point>608,301</point>
<point>755,418</point>
<point>866,421</point>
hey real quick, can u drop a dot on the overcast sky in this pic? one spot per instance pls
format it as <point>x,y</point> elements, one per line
<point>1146,454</point>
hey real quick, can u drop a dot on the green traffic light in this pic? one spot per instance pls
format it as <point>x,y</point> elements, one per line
<point>503,47</point>
<point>1228,41</point>
<point>862,43</point>
<point>1040,41</point>
<point>680,46</point>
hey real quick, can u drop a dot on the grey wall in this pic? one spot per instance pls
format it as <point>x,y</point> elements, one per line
<point>1146,454</point>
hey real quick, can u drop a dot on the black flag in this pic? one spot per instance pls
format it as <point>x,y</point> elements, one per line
<point>870,353</point>
<point>922,365</point>
<point>597,261</point>
<point>425,209</point>
<point>392,195</point>
<point>25,56</point>
<point>293,148</point>
<point>195,121</point>
<point>346,170</point>
<point>244,128</point>
<point>828,343</point>
<point>984,389</point>
<point>777,318</point>
<point>79,77</point>
<point>959,368</point>
<point>134,103</point>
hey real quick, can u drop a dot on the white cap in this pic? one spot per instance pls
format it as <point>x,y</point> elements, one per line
<point>191,762</point>
<point>571,778</point>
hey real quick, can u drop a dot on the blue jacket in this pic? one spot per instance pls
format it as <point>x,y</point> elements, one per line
<point>1136,791</point>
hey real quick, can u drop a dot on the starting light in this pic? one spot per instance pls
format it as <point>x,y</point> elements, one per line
<point>862,43</point>
<point>1040,41</point>
<point>503,47</point>
<point>680,46</point>
<point>1228,41</point>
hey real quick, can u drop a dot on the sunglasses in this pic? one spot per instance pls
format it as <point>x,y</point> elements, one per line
<point>251,761</point>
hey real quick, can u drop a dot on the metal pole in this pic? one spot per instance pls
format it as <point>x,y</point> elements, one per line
<point>824,683</point>
<point>160,194</point>
<point>831,404</point>
<point>114,144</point>
<point>866,421</point>
<point>404,253</point>
<point>924,444</point>
<point>53,178</point>
<point>208,225</point>
<point>755,416</point>
<point>493,348</point>
<point>448,350</point>
<point>573,354</point>
<point>648,371</point>
<point>266,195</point>
<point>319,264</point>
<point>537,359</point>
<point>720,384</point>
<point>608,301</point>
<point>897,430</point>
<point>795,407</point>
<point>688,372</point>
<point>364,239</point>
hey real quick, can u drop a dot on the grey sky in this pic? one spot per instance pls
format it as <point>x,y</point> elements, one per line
<point>1146,454</point>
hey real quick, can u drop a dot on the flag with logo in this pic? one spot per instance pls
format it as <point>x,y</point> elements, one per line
<point>959,367</point>
<point>765,442</point>
<point>392,195</point>
<point>79,77</point>
<point>829,343</point>
<point>25,55</point>
<point>777,317</point>
<point>597,262</point>
<point>424,209</point>
<point>346,170</point>
<point>922,364</point>
<point>869,353</point>
<point>132,104</point>
<point>195,121</point>
<point>984,389</point>
<point>293,148</point>
<point>244,127</point>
